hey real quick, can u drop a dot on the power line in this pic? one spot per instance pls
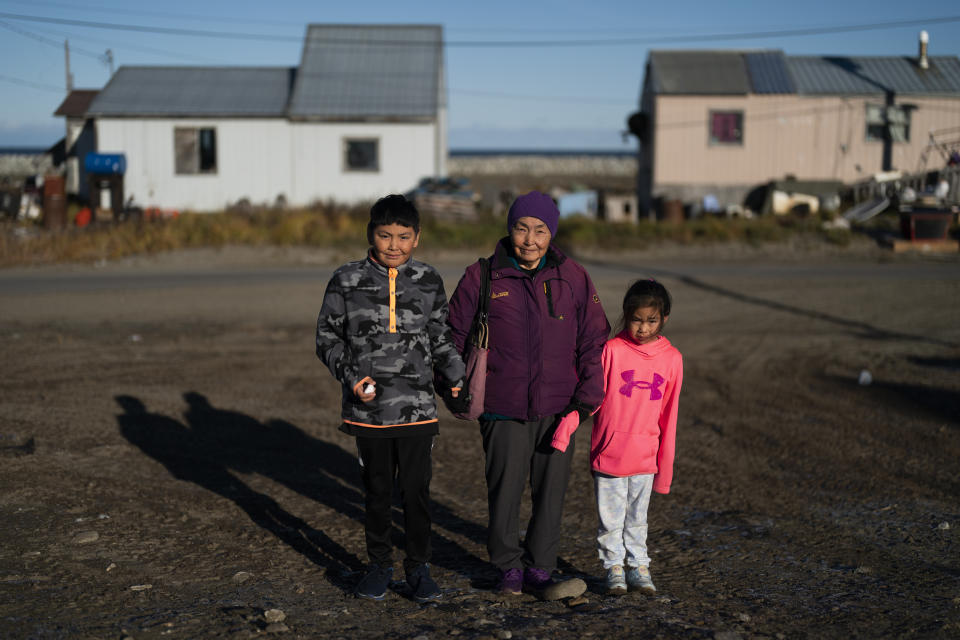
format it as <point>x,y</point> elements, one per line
<point>146,29</point>
<point>35,85</point>
<point>73,37</point>
<point>526,43</point>
<point>158,14</point>
<point>45,40</point>
<point>777,114</point>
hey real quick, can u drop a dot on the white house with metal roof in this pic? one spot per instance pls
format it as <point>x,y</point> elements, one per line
<point>724,122</point>
<point>363,115</point>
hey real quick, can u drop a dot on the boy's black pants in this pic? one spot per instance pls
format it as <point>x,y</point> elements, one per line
<point>408,461</point>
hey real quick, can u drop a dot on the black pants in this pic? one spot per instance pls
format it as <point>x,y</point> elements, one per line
<point>516,450</point>
<point>406,460</point>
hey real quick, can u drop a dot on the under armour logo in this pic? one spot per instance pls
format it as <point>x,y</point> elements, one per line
<point>632,384</point>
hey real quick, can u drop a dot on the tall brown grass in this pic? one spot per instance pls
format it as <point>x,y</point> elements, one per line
<point>330,225</point>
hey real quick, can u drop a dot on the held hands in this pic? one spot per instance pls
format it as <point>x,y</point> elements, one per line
<point>564,431</point>
<point>366,391</point>
<point>455,401</point>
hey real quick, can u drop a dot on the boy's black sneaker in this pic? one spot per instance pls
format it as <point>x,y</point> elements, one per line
<point>421,584</point>
<point>374,584</point>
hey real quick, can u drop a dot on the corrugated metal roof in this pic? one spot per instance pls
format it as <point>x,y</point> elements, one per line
<point>369,71</point>
<point>195,91</point>
<point>765,72</point>
<point>76,103</point>
<point>699,72</point>
<point>768,72</point>
<point>867,75</point>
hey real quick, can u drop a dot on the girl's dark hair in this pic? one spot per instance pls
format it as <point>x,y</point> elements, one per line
<point>645,293</point>
<point>393,209</point>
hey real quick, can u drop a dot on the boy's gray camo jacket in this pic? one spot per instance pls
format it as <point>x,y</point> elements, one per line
<point>354,340</point>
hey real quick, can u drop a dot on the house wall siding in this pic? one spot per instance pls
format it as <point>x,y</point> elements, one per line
<point>406,155</point>
<point>809,137</point>
<point>261,159</point>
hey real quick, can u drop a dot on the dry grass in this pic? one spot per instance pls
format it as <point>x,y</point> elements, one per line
<point>330,225</point>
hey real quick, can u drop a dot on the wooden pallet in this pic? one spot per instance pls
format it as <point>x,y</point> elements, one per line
<point>900,245</point>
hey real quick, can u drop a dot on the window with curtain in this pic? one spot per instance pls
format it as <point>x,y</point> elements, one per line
<point>726,127</point>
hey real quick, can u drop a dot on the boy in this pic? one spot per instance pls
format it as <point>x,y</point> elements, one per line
<point>382,332</point>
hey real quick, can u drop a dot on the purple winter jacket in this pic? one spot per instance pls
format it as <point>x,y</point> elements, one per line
<point>546,335</point>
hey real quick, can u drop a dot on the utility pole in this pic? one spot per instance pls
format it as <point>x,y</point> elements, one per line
<point>66,54</point>
<point>108,59</point>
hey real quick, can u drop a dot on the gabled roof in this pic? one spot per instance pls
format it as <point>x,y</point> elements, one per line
<point>76,103</point>
<point>741,72</point>
<point>698,72</point>
<point>195,91</point>
<point>369,72</point>
<point>865,75</point>
<point>347,72</point>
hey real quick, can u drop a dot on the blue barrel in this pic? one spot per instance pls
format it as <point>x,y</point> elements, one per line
<point>105,163</point>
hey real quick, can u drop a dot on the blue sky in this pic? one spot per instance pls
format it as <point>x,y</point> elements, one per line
<point>532,75</point>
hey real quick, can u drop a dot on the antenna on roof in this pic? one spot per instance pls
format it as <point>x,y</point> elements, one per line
<point>924,39</point>
<point>107,59</point>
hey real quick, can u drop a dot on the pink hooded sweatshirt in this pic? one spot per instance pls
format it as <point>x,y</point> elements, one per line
<point>634,430</point>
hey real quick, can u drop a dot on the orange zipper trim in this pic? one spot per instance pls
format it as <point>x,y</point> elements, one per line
<point>393,302</point>
<point>387,426</point>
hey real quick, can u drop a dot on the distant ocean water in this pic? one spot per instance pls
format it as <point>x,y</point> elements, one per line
<point>617,153</point>
<point>453,152</point>
<point>22,151</point>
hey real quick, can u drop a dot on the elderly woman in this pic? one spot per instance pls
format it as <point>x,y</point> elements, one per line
<point>547,330</point>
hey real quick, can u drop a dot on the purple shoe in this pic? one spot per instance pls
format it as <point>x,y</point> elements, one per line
<point>511,582</point>
<point>540,583</point>
<point>536,580</point>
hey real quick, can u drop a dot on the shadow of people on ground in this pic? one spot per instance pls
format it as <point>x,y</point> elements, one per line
<point>215,442</point>
<point>197,457</point>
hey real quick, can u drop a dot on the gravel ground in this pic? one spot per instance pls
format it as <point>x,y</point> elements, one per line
<point>170,464</point>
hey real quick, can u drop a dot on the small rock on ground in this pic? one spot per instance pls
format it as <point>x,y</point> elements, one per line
<point>85,537</point>
<point>564,589</point>
<point>274,615</point>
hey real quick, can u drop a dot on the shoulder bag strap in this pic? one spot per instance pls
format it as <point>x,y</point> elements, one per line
<point>479,332</point>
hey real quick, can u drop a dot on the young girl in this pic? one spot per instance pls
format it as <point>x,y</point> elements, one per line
<point>631,450</point>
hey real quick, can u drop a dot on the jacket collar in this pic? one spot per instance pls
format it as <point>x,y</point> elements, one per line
<point>381,268</point>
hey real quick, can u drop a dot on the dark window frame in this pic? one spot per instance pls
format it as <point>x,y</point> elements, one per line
<point>194,151</point>
<point>356,159</point>
<point>900,119</point>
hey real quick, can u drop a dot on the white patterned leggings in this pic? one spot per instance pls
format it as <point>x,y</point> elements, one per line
<point>622,511</point>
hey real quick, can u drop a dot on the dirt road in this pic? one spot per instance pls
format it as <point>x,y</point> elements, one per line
<point>170,464</point>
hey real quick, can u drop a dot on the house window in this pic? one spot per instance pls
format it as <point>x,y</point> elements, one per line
<point>898,118</point>
<point>726,127</point>
<point>195,150</point>
<point>361,154</point>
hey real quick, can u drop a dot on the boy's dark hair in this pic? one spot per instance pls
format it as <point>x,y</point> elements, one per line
<point>393,209</point>
<point>645,293</point>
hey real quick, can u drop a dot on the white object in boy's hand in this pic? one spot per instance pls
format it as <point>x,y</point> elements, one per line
<point>369,388</point>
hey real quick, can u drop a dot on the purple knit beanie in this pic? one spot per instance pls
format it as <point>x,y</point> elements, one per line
<point>536,205</point>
